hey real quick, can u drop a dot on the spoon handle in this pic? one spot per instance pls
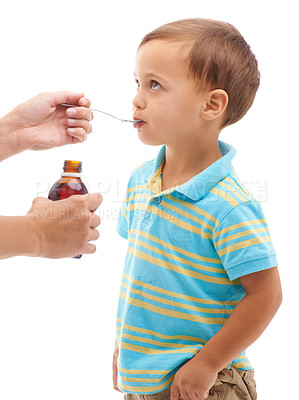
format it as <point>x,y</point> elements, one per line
<point>93,109</point>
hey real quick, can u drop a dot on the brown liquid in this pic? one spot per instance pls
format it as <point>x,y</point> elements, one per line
<point>67,186</point>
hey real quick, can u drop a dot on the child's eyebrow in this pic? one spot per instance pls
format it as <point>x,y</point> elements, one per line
<point>151,74</point>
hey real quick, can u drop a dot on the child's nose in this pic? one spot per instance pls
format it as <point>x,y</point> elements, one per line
<point>139,101</point>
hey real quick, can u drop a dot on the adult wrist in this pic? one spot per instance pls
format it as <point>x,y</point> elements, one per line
<point>33,240</point>
<point>19,237</point>
<point>28,236</point>
<point>10,138</point>
<point>3,126</point>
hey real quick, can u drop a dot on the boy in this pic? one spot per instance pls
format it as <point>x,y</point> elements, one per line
<point>200,282</point>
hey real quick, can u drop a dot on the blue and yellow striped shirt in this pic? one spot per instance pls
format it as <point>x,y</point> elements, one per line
<point>187,247</point>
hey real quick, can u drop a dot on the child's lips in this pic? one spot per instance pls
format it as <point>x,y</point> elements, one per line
<point>138,125</point>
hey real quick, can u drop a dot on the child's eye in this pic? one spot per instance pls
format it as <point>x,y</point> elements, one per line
<point>154,84</point>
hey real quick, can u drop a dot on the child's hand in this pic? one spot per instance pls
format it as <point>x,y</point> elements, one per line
<point>114,366</point>
<point>193,381</point>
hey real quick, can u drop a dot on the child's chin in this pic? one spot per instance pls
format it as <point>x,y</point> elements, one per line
<point>149,140</point>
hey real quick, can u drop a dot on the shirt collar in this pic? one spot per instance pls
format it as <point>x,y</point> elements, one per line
<point>198,186</point>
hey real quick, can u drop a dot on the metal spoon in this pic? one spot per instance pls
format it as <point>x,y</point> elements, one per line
<point>92,109</point>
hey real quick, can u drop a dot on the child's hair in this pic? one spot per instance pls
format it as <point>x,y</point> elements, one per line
<point>217,57</point>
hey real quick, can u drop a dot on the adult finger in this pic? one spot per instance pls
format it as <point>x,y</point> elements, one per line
<point>94,200</point>
<point>88,249</point>
<point>79,123</point>
<point>40,200</point>
<point>80,113</point>
<point>84,102</point>
<point>75,140</point>
<point>93,235</point>
<point>95,220</point>
<point>77,133</point>
<point>56,98</point>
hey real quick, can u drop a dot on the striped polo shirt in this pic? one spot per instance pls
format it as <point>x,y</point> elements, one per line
<point>187,247</point>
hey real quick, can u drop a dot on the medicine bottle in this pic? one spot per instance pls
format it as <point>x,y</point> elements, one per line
<point>69,184</point>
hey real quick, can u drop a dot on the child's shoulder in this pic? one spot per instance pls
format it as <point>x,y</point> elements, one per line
<point>144,165</point>
<point>143,170</point>
<point>233,183</point>
<point>232,197</point>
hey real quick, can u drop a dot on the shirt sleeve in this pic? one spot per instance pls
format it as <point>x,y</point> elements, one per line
<point>242,241</point>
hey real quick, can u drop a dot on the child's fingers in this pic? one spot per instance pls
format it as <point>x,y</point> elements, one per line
<point>174,392</point>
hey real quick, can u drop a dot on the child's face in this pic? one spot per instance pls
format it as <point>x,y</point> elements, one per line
<point>166,99</point>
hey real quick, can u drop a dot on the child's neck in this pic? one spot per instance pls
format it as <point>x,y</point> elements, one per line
<point>187,160</point>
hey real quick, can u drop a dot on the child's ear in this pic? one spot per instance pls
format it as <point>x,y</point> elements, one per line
<point>214,105</point>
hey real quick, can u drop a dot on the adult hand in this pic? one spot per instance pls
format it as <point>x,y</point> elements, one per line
<point>193,381</point>
<point>114,366</point>
<point>63,228</point>
<point>42,123</point>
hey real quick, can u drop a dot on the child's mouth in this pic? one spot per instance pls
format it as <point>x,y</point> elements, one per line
<point>138,124</point>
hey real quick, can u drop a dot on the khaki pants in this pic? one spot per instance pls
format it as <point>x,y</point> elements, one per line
<point>231,384</point>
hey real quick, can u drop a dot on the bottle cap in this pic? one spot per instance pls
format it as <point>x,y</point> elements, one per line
<point>71,166</point>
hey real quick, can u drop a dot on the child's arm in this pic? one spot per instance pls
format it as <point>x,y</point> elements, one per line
<point>246,323</point>
<point>114,366</point>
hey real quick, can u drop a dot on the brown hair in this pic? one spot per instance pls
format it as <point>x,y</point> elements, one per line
<point>217,57</point>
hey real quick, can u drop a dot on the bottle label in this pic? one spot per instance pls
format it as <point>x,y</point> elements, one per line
<point>71,174</point>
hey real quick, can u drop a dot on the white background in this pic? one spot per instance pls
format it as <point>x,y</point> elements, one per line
<point>57,316</point>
